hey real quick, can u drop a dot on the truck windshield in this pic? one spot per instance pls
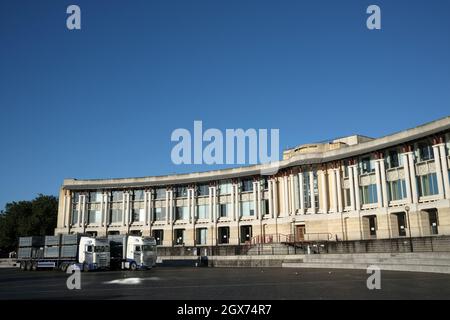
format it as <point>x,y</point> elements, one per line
<point>101,249</point>
<point>147,247</point>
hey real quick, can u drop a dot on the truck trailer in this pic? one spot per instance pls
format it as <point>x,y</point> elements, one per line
<point>61,251</point>
<point>132,252</point>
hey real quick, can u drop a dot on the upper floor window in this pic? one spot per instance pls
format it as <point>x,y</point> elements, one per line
<point>159,214</point>
<point>202,190</point>
<point>181,213</point>
<point>160,193</point>
<point>247,209</point>
<point>427,184</point>
<point>138,195</point>
<point>247,185</point>
<point>225,187</point>
<point>116,196</point>
<point>366,165</point>
<point>397,189</point>
<point>394,159</point>
<point>203,211</point>
<point>369,194</point>
<point>180,192</point>
<point>425,152</point>
<point>265,183</point>
<point>95,196</point>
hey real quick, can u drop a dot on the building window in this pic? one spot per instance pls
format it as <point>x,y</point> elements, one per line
<point>95,197</point>
<point>201,236</point>
<point>224,209</point>
<point>265,183</point>
<point>307,191</point>
<point>181,192</point>
<point>425,152</point>
<point>181,213</point>
<point>116,196</point>
<point>159,214</point>
<point>366,165</point>
<point>203,211</point>
<point>247,185</point>
<point>203,190</point>
<point>160,193</point>
<point>369,194</point>
<point>394,159</point>
<point>138,195</point>
<point>115,215</point>
<point>346,164</point>
<point>224,235</point>
<point>316,189</point>
<point>348,199</point>
<point>225,188</point>
<point>94,216</point>
<point>138,215</point>
<point>179,236</point>
<point>159,236</point>
<point>397,190</point>
<point>247,209</point>
<point>427,185</point>
<point>265,207</point>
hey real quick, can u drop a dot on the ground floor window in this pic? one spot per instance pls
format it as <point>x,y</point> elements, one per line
<point>201,234</point>
<point>203,211</point>
<point>247,208</point>
<point>246,234</point>
<point>427,185</point>
<point>159,236</point>
<point>369,194</point>
<point>181,213</point>
<point>95,216</point>
<point>115,215</point>
<point>224,235</point>
<point>397,190</point>
<point>159,214</point>
<point>179,236</point>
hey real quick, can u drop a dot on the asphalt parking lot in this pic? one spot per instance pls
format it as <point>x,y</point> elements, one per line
<point>223,283</point>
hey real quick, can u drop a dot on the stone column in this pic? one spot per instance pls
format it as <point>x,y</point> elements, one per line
<point>255,199</point>
<point>333,190</point>
<point>356,181</point>
<point>352,188</point>
<point>291,194</point>
<point>275,197</point>
<point>233,204</point>
<point>301,193</point>
<point>437,163</point>
<point>384,183</point>
<point>324,195</point>
<point>444,170</point>
<point>270,198</point>
<point>378,180</point>
<point>412,174</point>
<point>285,195</point>
<point>406,171</point>
<point>168,217</point>
<point>258,195</point>
<point>339,189</point>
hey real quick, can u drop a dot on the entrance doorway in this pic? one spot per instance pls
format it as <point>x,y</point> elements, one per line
<point>300,231</point>
<point>433,220</point>
<point>224,235</point>
<point>246,234</point>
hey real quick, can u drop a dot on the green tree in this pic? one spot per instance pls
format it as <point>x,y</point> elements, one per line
<point>27,218</point>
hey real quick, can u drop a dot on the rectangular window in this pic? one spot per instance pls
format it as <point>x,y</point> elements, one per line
<point>138,215</point>
<point>159,214</point>
<point>348,199</point>
<point>179,236</point>
<point>181,213</point>
<point>202,190</point>
<point>397,190</point>
<point>247,209</point>
<point>265,207</point>
<point>224,207</point>
<point>225,188</point>
<point>393,159</point>
<point>95,197</point>
<point>369,194</point>
<point>366,165</point>
<point>201,236</point>
<point>203,211</point>
<point>425,152</point>
<point>307,191</point>
<point>115,215</point>
<point>427,185</point>
<point>181,192</point>
<point>138,195</point>
<point>74,214</point>
<point>316,189</point>
<point>160,193</point>
<point>116,196</point>
<point>95,216</point>
<point>265,183</point>
<point>247,185</point>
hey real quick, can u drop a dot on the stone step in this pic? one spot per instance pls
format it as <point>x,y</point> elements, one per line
<point>390,267</point>
<point>440,262</point>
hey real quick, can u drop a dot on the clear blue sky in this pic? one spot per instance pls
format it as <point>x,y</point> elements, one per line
<point>102,102</point>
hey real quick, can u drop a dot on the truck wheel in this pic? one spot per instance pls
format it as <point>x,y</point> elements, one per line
<point>85,267</point>
<point>27,266</point>
<point>64,267</point>
<point>33,266</point>
<point>133,266</point>
<point>22,265</point>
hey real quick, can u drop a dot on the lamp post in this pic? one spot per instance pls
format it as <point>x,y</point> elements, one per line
<point>409,228</point>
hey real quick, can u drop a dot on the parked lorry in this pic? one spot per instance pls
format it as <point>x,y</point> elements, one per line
<point>132,252</point>
<point>61,251</point>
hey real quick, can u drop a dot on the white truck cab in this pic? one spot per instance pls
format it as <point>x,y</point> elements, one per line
<point>93,253</point>
<point>140,252</point>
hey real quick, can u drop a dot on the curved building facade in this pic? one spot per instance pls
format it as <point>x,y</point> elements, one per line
<point>351,188</point>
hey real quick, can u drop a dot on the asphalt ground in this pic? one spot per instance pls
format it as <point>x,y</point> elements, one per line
<point>163,283</point>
